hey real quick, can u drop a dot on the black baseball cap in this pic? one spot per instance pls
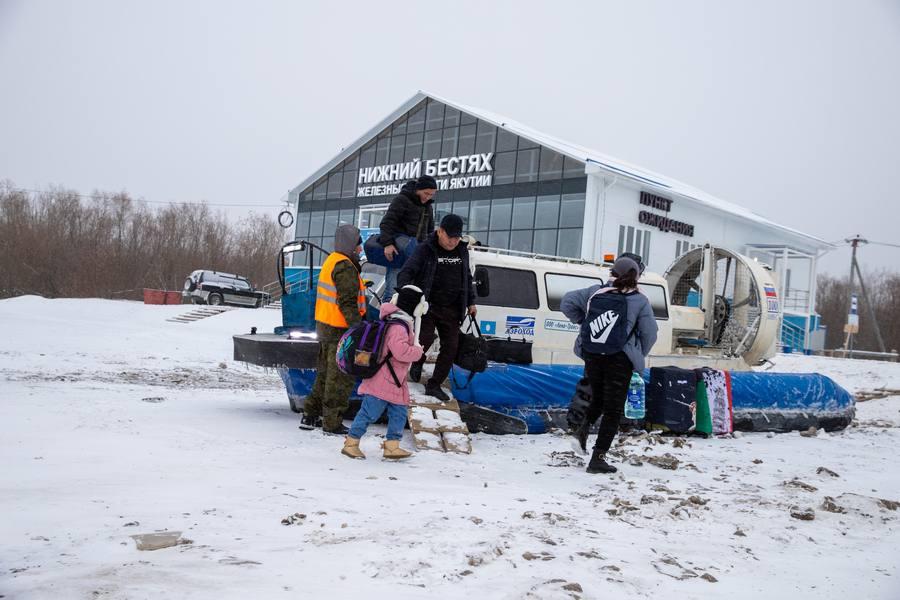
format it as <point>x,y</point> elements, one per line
<point>452,225</point>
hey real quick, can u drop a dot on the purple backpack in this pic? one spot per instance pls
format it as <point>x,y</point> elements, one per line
<point>359,350</point>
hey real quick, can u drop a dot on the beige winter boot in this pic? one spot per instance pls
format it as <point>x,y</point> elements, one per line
<point>351,448</point>
<point>393,450</point>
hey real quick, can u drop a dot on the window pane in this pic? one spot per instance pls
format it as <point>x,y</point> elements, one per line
<point>527,165</point>
<point>520,240</point>
<point>467,119</point>
<point>573,168</point>
<point>398,143</point>
<point>479,214</point>
<point>448,146</point>
<point>382,151</point>
<point>547,213</point>
<point>432,145</point>
<point>572,213</point>
<point>559,285</point>
<point>302,231</point>
<point>413,146</point>
<point>479,236</point>
<point>487,134</point>
<point>335,180</point>
<point>416,121</point>
<point>347,215</point>
<point>367,157</point>
<point>348,190</point>
<point>498,239</point>
<point>506,140</point>
<point>569,243</point>
<point>545,241</point>
<point>451,117</point>
<point>525,144</point>
<point>352,163</point>
<point>523,213</point>
<point>441,209</point>
<point>551,164</point>
<point>514,288</point>
<point>504,168</point>
<point>434,118</point>
<point>331,222</point>
<point>315,223</point>
<point>462,210</point>
<point>466,140</point>
<point>657,296</point>
<point>399,127</point>
<point>321,189</point>
<point>501,213</point>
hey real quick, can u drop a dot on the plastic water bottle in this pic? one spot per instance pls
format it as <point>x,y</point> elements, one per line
<point>634,402</point>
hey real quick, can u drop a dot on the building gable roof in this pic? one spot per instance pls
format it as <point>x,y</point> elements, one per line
<point>613,166</point>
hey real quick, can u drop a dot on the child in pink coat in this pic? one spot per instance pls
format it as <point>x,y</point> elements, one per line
<point>383,391</point>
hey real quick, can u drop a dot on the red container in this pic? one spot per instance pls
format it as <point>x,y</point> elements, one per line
<point>173,297</point>
<point>154,296</point>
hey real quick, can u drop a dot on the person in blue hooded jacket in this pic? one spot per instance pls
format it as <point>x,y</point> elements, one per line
<point>610,374</point>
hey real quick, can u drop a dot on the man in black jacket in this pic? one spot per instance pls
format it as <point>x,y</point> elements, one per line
<point>440,267</point>
<point>409,217</point>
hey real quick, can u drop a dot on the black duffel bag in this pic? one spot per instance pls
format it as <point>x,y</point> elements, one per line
<point>509,351</point>
<point>471,353</point>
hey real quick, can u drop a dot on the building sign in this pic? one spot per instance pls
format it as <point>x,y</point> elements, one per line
<point>662,222</point>
<point>455,172</point>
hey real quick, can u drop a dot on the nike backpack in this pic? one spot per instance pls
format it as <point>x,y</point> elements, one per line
<point>359,349</point>
<point>604,329</point>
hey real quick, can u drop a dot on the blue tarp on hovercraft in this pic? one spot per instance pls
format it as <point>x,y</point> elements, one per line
<point>762,401</point>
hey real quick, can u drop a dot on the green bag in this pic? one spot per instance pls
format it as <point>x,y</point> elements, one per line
<point>704,417</point>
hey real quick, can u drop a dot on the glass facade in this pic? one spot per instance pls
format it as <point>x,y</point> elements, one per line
<point>534,201</point>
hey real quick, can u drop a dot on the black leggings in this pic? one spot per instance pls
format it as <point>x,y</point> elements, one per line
<point>609,376</point>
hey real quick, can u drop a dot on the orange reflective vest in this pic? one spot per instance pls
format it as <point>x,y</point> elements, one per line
<point>327,310</point>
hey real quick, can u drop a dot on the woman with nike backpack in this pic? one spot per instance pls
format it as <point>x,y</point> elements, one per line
<point>617,331</point>
<point>387,389</point>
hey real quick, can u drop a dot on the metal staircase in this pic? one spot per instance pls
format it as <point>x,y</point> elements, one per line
<point>201,312</point>
<point>791,336</point>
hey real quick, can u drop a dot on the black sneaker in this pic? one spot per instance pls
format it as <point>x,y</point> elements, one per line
<point>308,422</point>
<point>415,372</point>
<point>598,464</point>
<point>339,430</point>
<point>437,392</point>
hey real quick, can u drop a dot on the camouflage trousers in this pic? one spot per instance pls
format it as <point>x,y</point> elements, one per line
<point>330,395</point>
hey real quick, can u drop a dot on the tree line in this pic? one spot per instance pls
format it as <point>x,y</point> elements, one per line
<point>833,303</point>
<point>56,244</point>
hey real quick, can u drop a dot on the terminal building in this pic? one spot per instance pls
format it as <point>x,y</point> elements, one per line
<point>523,190</point>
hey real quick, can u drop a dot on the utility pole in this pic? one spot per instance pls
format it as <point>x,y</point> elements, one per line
<point>848,343</point>
<point>854,267</point>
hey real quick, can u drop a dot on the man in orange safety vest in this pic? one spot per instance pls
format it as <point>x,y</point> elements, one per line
<point>340,304</point>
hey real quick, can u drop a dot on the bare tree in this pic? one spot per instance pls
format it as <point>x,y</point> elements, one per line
<point>58,244</point>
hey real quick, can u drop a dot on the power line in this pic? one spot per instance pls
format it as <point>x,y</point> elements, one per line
<point>111,197</point>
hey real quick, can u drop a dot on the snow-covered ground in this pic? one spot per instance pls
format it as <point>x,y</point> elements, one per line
<point>115,422</point>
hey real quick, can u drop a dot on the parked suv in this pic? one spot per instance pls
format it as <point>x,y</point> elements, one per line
<point>215,288</point>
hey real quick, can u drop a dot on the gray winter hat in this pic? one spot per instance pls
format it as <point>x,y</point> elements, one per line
<point>346,239</point>
<point>624,265</point>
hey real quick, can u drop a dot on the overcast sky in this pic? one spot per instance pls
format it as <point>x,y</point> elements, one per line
<point>789,108</point>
